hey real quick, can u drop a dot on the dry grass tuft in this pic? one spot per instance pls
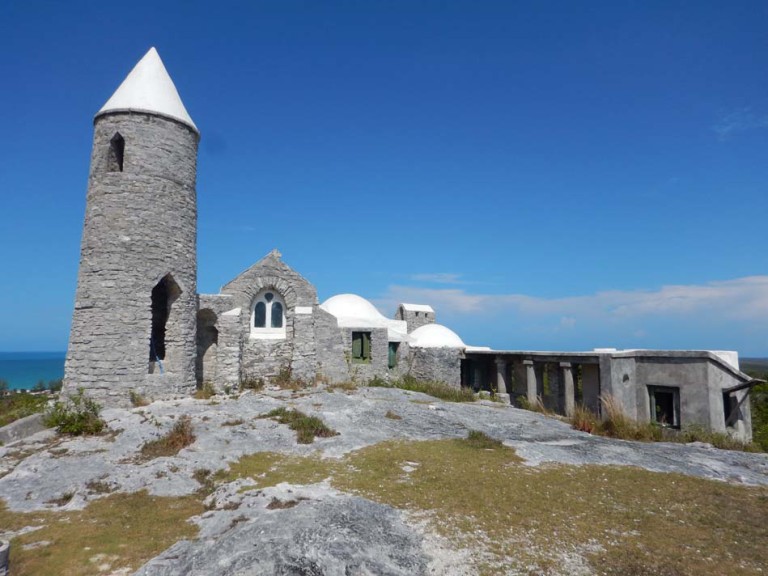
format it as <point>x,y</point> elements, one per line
<point>307,428</point>
<point>181,435</point>
<point>205,392</point>
<point>616,424</point>
<point>437,389</point>
<point>392,415</point>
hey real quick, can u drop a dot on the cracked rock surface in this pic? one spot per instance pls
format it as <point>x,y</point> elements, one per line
<point>247,537</point>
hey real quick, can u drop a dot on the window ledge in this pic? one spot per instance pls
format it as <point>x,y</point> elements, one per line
<point>268,335</point>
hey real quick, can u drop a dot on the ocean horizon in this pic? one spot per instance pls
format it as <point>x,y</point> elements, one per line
<point>22,370</point>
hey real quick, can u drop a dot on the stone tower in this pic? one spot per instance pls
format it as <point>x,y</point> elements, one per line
<point>134,322</point>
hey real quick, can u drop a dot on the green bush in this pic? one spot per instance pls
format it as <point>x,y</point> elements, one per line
<point>20,405</point>
<point>759,405</point>
<point>77,416</point>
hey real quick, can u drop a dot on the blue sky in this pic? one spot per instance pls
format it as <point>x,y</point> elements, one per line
<point>559,175</point>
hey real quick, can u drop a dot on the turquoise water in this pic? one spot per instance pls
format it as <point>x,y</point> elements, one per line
<point>25,369</point>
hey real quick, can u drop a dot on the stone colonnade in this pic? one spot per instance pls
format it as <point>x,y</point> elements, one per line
<point>559,383</point>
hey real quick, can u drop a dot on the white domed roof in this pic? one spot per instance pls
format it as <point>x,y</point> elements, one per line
<point>351,306</point>
<point>435,336</point>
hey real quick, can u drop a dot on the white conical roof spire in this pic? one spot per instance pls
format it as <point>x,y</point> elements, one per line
<point>149,88</point>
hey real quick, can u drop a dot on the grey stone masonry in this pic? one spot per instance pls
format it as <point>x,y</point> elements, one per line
<point>267,357</point>
<point>140,228</point>
<point>438,364</point>
<point>415,318</point>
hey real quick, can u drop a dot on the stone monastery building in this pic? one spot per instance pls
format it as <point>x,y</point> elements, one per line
<point>140,325</point>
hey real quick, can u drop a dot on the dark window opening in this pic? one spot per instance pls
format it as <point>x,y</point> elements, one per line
<point>277,315</point>
<point>392,360</point>
<point>665,405</point>
<point>260,315</point>
<point>361,346</point>
<point>730,409</point>
<point>116,153</point>
<point>163,296</point>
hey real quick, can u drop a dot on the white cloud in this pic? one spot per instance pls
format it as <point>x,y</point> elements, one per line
<point>438,278</point>
<point>740,121</point>
<point>739,299</point>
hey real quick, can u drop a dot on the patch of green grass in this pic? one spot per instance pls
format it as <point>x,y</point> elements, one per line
<point>481,440</point>
<point>180,436</point>
<point>437,389</point>
<point>78,415</point>
<point>307,428</point>
<point>20,405</point>
<point>479,494</point>
<point>120,530</point>
<point>269,469</point>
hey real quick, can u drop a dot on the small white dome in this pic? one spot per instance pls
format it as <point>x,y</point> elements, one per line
<point>435,336</point>
<point>351,306</point>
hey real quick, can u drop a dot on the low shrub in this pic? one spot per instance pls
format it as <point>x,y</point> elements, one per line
<point>307,428</point>
<point>78,415</point>
<point>19,405</point>
<point>432,388</point>
<point>180,436</point>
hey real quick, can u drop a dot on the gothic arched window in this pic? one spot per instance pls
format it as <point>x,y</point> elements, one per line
<point>268,315</point>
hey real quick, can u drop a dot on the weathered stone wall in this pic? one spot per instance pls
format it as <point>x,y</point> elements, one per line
<point>414,319</point>
<point>439,364</point>
<point>362,372</point>
<point>140,225</point>
<point>264,357</point>
<point>331,352</point>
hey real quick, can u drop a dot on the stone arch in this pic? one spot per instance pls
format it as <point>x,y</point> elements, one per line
<point>162,332</point>
<point>207,346</point>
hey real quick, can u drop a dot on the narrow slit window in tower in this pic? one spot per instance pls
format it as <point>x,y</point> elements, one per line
<point>116,153</point>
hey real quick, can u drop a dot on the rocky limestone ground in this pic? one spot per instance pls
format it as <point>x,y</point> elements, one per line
<point>245,533</point>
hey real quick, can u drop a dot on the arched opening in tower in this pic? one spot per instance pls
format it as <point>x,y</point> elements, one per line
<point>116,153</point>
<point>164,294</point>
<point>207,344</point>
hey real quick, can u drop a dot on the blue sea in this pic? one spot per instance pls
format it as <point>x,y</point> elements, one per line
<point>25,369</point>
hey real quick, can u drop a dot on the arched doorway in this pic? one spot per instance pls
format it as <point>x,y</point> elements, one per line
<point>164,294</point>
<point>207,346</point>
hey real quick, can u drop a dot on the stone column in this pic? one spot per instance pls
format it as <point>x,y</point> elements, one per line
<point>501,380</point>
<point>530,373</point>
<point>568,388</point>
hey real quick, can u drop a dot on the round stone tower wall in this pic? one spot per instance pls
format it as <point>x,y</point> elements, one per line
<point>134,322</point>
